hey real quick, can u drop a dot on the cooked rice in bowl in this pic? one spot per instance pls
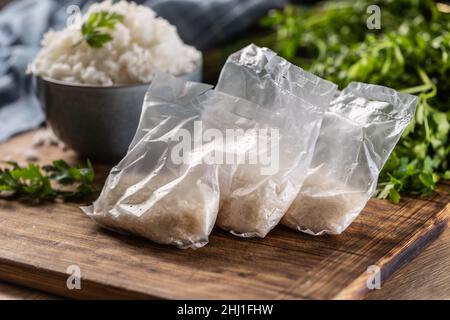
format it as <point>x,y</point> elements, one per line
<point>141,45</point>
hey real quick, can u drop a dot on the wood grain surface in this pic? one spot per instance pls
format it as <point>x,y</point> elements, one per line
<point>426,277</point>
<point>38,244</point>
<point>14,292</point>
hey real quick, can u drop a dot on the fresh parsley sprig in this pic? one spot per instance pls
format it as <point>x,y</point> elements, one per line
<point>93,29</point>
<point>32,182</point>
<point>411,53</point>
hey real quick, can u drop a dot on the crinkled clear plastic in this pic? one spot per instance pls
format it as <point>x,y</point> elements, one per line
<point>154,194</point>
<point>292,155</point>
<point>359,131</point>
<point>168,94</point>
<point>294,102</point>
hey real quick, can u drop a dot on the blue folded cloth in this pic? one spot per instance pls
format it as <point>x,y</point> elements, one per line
<point>201,23</point>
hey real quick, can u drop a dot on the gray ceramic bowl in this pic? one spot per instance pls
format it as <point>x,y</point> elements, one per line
<point>97,122</point>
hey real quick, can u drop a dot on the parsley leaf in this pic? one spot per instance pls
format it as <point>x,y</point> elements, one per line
<point>93,29</point>
<point>34,183</point>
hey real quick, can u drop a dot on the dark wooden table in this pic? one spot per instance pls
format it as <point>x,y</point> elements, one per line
<point>426,277</point>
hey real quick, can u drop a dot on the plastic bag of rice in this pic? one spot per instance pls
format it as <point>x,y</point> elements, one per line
<point>167,188</point>
<point>290,100</point>
<point>141,44</point>
<point>360,129</point>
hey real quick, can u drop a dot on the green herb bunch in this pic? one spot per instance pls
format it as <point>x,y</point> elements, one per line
<point>93,29</point>
<point>409,53</point>
<point>49,182</point>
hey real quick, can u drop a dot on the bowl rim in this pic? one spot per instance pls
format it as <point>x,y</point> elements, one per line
<point>116,86</point>
<point>89,86</point>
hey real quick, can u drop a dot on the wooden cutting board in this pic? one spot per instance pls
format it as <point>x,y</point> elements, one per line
<point>39,243</point>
